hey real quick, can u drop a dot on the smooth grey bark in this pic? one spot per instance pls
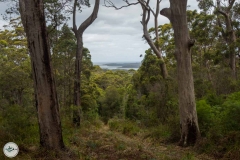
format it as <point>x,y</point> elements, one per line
<point>33,19</point>
<point>79,54</point>
<point>177,15</point>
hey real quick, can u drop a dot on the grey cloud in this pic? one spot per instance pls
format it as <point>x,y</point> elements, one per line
<point>116,35</point>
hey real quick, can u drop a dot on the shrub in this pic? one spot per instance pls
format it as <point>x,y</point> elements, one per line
<point>231,112</point>
<point>213,100</point>
<point>205,116</point>
<point>222,136</point>
<point>159,133</point>
<point>124,126</point>
<point>174,128</point>
<point>19,124</point>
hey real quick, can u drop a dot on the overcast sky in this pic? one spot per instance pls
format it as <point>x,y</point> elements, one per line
<point>116,35</point>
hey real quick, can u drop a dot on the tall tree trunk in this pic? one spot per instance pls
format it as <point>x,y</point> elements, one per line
<point>231,43</point>
<point>77,82</point>
<point>64,86</point>
<point>187,106</point>
<point>207,66</point>
<point>78,63</point>
<point>33,19</point>
<point>231,36</point>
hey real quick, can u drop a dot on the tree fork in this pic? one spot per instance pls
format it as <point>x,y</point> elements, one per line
<point>78,63</point>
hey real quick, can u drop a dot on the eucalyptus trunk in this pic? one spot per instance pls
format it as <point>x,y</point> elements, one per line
<point>187,106</point>
<point>77,82</point>
<point>231,43</point>
<point>33,19</point>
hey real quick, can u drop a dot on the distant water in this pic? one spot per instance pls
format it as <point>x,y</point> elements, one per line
<point>118,65</point>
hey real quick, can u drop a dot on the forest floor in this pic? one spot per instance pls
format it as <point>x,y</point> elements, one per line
<point>104,144</point>
<point>100,143</point>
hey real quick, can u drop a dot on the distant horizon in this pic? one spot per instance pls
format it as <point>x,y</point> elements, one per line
<point>117,61</point>
<point>118,65</point>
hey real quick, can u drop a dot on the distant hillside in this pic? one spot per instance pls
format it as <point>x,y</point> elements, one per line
<point>125,65</point>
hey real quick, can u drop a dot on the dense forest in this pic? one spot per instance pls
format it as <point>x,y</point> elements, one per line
<point>182,103</point>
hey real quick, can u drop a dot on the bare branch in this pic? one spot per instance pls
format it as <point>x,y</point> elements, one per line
<point>156,22</point>
<point>147,10</point>
<point>74,17</point>
<point>231,2</point>
<point>148,16</point>
<point>145,20</point>
<point>218,8</point>
<point>146,5</point>
<point>109,3</point>
<point>148,13</point>
<point>90,19</point>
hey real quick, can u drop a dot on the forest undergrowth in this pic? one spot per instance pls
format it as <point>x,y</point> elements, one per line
<point>98,141</point>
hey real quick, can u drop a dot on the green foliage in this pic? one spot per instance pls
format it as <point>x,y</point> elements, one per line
<point>141,96</point>
<point>231,111</point>
<point>91,144</point>
<point>64,49</point>
<point>173,126</point>
<point>188,156</point>
<point>121,146</point>
<point>159,133</point>
<point>150,97</point>
<point>124,126</point>
<point>108,78</point>
<point>214,100</point>
<point>15,73</point>
<point>205,116</point>
<point>219,122</point>
<point>165,132</point>
<point>20,129</point>
<point>110,104</point>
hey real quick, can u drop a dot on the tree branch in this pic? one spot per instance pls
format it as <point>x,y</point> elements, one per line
<point>146,5</point>
<point>74,17</point>
<point>156,22</point>
<point>145,20</point>
<point>147,12</point>
<point>231,2</point>
<point>166,12</point>
<point>191,43</point>
<point>222,13</point>
<point>112,5</point>
<point>90,19</point>
<point>222,30</point>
